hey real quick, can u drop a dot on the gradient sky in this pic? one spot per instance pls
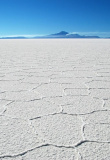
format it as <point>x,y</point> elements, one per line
<point>41,17</point>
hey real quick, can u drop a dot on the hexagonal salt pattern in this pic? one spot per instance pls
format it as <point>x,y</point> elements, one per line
<point>55,99</point>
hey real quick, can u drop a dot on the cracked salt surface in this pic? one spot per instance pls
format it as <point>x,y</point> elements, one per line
<point>31,109</point>
<point>55,99</point>
<point>93,150</point>
<point>99,84</point>
<point>89,104</point>
<point>59,126</point>
<point>97,132</point>
<point>15,136</point>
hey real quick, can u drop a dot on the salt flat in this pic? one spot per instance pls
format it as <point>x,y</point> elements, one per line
<point>55,99</point>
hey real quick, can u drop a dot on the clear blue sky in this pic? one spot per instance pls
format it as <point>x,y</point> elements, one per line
<point>41,17</point>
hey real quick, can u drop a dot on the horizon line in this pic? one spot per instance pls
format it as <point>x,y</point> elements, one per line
<point>101,34</point>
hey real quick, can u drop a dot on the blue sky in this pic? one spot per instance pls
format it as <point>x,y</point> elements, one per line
<point>42,17</point>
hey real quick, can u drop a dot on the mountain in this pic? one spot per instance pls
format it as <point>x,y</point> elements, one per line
<point>62,34</point>
<point>80,36</point>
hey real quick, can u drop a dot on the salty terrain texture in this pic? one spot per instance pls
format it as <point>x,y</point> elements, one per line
<point>55,99</point>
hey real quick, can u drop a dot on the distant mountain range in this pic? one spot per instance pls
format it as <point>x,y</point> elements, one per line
<point>61,34</point>
<point>64,34</point>
<point>19,37</point>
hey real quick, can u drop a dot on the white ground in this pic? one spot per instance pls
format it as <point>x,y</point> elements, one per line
<point>55,99</point>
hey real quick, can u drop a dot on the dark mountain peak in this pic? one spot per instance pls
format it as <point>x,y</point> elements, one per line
<point>62,33</point>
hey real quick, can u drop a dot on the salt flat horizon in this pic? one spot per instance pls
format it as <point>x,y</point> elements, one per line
<point>55,99</point>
